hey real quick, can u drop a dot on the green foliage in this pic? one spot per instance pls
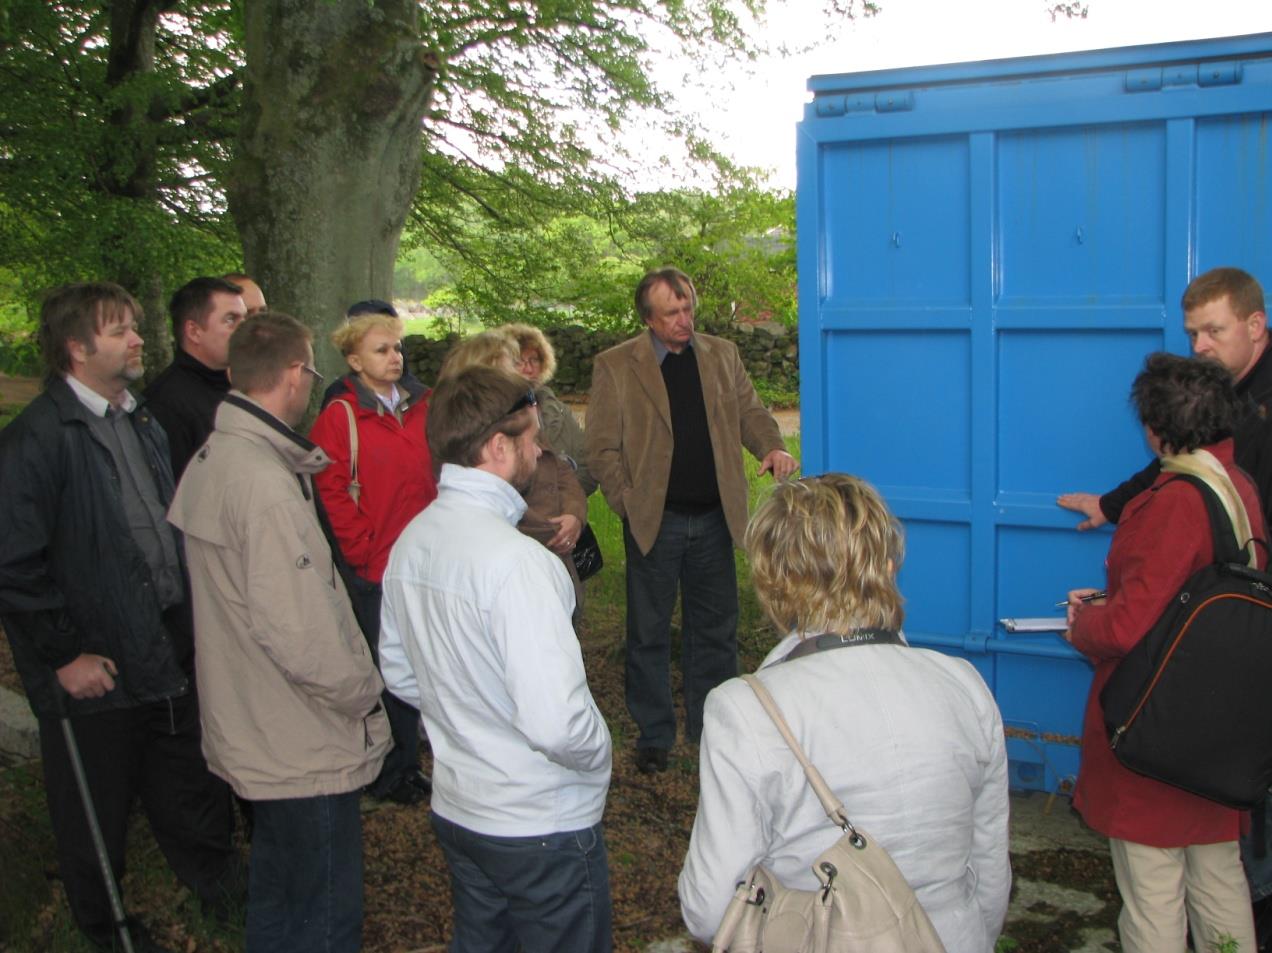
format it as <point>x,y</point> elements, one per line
<point>118,122</point>
<point>775,396</point>
<point>581,268</point>
<point>107,153</point>
<point>19,350</point>
<point>418,274</point>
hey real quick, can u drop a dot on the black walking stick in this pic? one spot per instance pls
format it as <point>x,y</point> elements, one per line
<point>99,842</point>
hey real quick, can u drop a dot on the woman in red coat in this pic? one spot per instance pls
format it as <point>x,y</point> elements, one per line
<point>1174,854</point>
<point>387,411</point>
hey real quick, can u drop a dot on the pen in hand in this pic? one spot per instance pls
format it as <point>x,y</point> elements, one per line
<point>1089,597</point>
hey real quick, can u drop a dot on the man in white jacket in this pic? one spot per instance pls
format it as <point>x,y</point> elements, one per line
<point>476,633</point>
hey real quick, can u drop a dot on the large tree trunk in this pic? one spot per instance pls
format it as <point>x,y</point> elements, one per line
<point>127,158</point>
<point>328,154</point>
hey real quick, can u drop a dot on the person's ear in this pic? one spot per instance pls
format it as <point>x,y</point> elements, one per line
<point>492,449</point>
<point>354,362</point>
<point>1258,322</point>
<point>77,350</point>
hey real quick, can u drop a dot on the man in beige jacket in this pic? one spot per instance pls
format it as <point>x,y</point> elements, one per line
<point>290,697</point>
<point>668,415</point>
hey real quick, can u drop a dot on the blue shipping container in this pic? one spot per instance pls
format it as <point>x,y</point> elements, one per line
<point>986,253</point>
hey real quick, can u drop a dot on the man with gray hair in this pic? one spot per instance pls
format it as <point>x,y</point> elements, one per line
<point>291,698</point>
<point>670,411</point>
<point>476,632</point>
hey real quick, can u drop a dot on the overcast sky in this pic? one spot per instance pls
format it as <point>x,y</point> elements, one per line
<point>753,109</point>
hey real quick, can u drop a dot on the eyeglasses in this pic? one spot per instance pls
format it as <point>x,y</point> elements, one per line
<point>318,378</point>
<point>525,400</point>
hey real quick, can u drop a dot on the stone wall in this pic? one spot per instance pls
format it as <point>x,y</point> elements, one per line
<point>769,350</point>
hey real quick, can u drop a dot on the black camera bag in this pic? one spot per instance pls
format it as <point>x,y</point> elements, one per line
<point>1189,704</point>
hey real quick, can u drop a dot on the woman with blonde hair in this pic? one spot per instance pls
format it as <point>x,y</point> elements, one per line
<point>556,508</point>
<point>909,740</point>
<point>537,363</point>
<point>380,477</point>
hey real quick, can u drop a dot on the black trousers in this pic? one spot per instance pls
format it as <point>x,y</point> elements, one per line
<point>151,753</point>
<point>404,719</point>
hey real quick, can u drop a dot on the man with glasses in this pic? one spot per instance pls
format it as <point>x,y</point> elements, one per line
<point>475,631</point>
<point>290,696</point>
<point>185,395</point>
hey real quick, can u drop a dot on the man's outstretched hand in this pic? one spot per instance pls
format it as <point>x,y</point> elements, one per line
<point>1088,504</point>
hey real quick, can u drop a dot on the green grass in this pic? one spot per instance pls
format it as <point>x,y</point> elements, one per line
<point>432,328</point>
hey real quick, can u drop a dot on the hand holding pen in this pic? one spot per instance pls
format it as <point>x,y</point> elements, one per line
<point>1089,597</point>
<point>1077,599</point>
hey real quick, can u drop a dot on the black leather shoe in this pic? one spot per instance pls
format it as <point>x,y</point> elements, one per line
<point>651,760</point>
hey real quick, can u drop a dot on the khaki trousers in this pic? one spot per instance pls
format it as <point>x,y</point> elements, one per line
<point>1159,884</point>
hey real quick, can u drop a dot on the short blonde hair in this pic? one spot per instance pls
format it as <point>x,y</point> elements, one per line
<point>526,335</point>
<point>824,552</point>
<point>487,349</point>
<point>349,335</point>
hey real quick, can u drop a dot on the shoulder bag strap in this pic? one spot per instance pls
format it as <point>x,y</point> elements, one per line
<point>833,807</point>
<point>1227,548</point>
<point>355,488</point>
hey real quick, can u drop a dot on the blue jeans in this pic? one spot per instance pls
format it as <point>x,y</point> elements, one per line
<point>304,890</point>
<point>547,894</point>
<point>692,553</point>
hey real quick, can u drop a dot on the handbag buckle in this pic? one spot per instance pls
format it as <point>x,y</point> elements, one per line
<point>854,836</point>
<point>831,873</point>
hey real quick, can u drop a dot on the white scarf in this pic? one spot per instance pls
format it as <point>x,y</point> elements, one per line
<point>1205,466</point>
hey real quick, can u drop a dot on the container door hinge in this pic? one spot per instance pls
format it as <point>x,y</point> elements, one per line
<point>1219,74</point>
<point>1151,79</point>
<point>976,642</point>
<point>895,101</point>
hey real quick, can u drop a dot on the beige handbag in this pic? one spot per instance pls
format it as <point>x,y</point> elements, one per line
<point>864,904</point>
<point>355,488</point>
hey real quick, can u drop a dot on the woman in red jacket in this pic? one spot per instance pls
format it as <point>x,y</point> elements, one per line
<point>371,493</point>
<point>1175,854</point>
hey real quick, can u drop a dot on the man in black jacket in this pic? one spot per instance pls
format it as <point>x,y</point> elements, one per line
<point>92,598</point>
<point>1225,321</point>
<point>185,395</point>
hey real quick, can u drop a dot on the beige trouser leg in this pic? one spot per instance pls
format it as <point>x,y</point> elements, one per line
<point>1158,884</point>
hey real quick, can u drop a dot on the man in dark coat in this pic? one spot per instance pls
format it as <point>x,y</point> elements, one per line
<point>92,598</point>
<point>185,395</point>
<point>1225,320</point>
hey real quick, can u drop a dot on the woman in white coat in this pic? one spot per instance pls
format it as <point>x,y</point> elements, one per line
<point>909,739</point>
